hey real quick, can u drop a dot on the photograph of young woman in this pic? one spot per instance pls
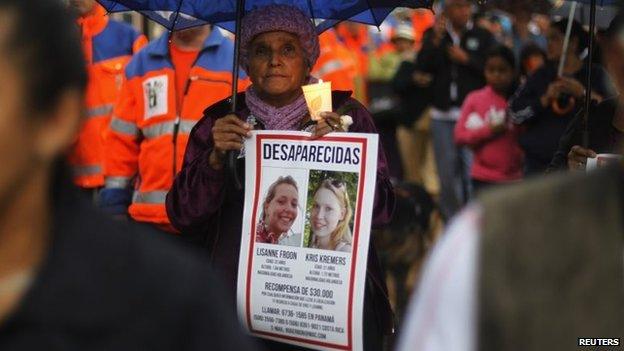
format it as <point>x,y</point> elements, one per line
<point>330,217</point>
<point>279,211</point>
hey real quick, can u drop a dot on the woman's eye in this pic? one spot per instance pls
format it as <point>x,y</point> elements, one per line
<point>288,50</point>
<point>261,51</point>
<point>328,209</point>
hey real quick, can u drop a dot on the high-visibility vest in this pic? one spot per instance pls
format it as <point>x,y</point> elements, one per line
<point>335,63</point>
<point>422,20</point>
<point>148,133</point>
<point>108,46</point>
<point>358,46</point>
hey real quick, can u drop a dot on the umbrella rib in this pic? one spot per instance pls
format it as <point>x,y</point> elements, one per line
<point>312,12</point>
<point>177,13</point>
<point>370,8</point>
<point>566,40</point>
<point>588,89</point>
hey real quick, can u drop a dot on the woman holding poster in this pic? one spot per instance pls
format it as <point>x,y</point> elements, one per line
<point>279,211</point>
<point>331,216</point>
<point>279,47</point>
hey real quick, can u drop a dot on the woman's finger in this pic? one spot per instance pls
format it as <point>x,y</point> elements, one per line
<point>231,128</point>
<point>231,123</point>
<point>321,129</point>
<point>228,145</point>
<point>332,119</point>
<point>225,137</point>
<point>233,119</point>
<point>579,150</point>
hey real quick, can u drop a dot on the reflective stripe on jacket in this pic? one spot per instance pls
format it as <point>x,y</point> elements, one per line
<point>108,46</point>
<point>148,132</point>
<point>335,64</point>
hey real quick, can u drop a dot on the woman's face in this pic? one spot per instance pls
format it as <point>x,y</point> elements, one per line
<point>554,48</point>
<point>326,212</point>
<point>281,212</point>
<point>277,67</point>
<point>555,43</point>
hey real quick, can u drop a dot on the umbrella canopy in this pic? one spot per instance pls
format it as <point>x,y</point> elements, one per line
<point>180,14</point>
<point>598,2</point>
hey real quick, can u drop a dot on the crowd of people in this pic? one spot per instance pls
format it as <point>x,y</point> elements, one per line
<point>463,101</point>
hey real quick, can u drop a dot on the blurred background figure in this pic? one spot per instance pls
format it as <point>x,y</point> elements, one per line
<point>384,103</point>
<point>354,36</point>
<point>485,127</point>
<point>108,45</point>
<point>546,103</point>
<point>166,89</point>
<point>532,58</point>
<point>336,64</point>
<point>69,277</point>
<point>606,119</point>
<point>413,130</point>
<point>448,67</point>
<point>525,33</point>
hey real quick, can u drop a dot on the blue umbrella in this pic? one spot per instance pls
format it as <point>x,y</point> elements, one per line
<point>228,14</point>
<point>181,14</point>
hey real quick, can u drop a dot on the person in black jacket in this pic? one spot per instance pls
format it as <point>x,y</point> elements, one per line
<point>546,104</point>
<point>70,278</point>
<point>449,66</point>
<point>605,123</point>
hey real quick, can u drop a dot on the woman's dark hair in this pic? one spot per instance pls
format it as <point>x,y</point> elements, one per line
<point>577,32</point>
<point>43,43</point>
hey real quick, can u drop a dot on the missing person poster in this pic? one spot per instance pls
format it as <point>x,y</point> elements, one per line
<point>306,230</point>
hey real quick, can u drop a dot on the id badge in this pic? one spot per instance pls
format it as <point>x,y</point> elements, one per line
<point>453,91</point>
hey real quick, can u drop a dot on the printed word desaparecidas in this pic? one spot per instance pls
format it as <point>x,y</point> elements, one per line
<point>338,154</point>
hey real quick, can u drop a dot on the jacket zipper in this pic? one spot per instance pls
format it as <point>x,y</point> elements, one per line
<point>176,123</point>
<point>179,108</point>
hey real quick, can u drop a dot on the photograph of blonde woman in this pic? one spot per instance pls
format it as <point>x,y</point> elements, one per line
<point>280,208</point>
<point>330,217</point>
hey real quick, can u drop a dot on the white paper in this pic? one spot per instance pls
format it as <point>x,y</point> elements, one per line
<point>602,160</point>
<point>303,295</point>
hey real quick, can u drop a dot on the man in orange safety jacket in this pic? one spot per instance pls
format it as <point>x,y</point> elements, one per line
<point>108,46</point>
<point>355,37</point>
<point>335,64</point>
<point>167,86</point>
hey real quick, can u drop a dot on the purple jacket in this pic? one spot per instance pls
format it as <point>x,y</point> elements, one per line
<point>208,209</point>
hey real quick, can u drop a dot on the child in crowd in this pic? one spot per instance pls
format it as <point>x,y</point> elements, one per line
<point>484,127</point>
<point>532,58</point>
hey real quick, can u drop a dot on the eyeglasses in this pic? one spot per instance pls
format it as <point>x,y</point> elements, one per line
<point>338,184</point>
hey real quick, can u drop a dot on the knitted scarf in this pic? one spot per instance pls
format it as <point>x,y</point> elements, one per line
<point>277,118</point>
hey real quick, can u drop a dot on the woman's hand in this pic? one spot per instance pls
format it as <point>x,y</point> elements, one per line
<point>329,122</point>
<point>422,79</point>
<point>563,85</point>
<point>552,93</point>
<point>228,134</point>
<point>577,157</point>
<point>572,87</point>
